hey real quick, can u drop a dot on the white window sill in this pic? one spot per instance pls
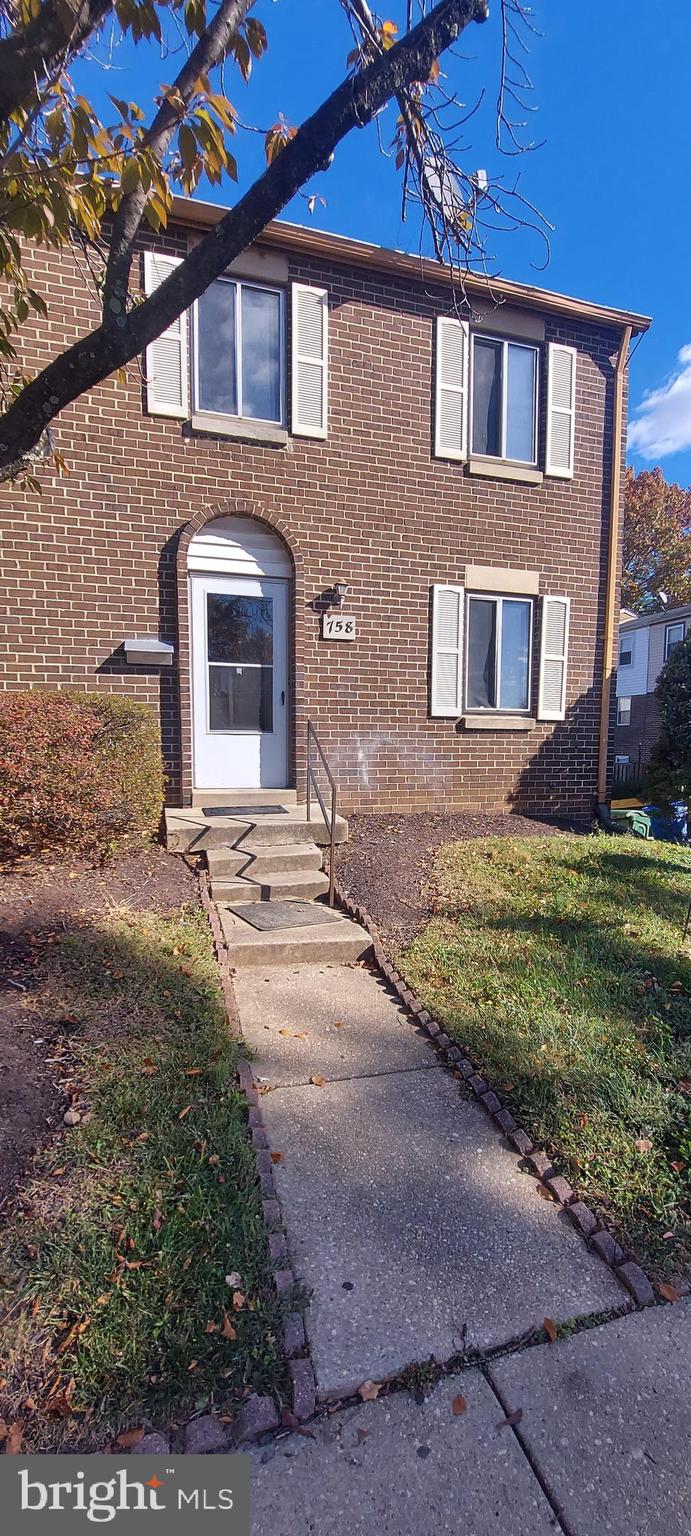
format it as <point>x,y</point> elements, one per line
<point>239,426</point>
<point>497,722</point>
<point>502,469</point>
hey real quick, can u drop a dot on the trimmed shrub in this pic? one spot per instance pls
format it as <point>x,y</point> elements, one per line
<point>79,773</point>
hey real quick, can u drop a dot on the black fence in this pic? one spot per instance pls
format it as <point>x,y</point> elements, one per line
<point>628,776</point>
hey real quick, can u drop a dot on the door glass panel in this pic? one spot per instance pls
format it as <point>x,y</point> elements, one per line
<point>482,643</point>
<point>216,362</point>
<point>487,397</point>
<point>261,354</point>
<point>520,405</point>
<point>240,698</point>
<point>515,648</point>
<point>239,628</point>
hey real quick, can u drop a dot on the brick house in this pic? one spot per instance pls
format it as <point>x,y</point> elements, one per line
<point>645,641</point>
<point>335,494</point>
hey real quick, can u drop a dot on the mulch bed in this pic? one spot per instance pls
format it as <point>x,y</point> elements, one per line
<point>386,863</point>
<point>38,902</point>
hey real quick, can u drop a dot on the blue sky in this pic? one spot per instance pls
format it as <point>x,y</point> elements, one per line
<point>611,86</point>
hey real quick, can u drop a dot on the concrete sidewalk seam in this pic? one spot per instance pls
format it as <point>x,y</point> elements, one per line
<point>515,1430</point>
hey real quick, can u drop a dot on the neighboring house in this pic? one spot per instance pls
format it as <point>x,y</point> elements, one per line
<point>644,645</point>
<point>336,493</point>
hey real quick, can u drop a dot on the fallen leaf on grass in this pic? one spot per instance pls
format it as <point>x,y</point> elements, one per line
<point>194,1072</point>
<point>319,1082</point>
<point>149,1067</point>
<point>228,1331</point>
<point>72,1335</point>
<point>678,1167</point>
<point>643,1144</point>
<point>550,1328</point>
<point>668,1292</point>
<point>369,1391</point>
<point>458,1406</point>
<point>13,1439</point>
<point>234,1279</point>
<point>128,1438</point>
<point>511,1419</point>
<point>238,1301</point>
<point>184,1112</point>
<point>277,1157</point>
<point>157,1220</point>
<point>211,1327</point>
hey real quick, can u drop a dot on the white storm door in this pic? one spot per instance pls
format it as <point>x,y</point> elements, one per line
<point>239,682</point>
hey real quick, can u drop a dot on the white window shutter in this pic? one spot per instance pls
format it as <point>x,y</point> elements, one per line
<point>554,647</point>
<point>310,350</point>
<point>561,411</point>
<point>451,392</point>
<point>167,391</point>
<point>447,652</point>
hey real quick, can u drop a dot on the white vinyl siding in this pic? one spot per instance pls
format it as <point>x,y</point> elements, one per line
<point>447,652</point>
<point>451,393</point>
<point>561,411</point>
<point>310,330</point>
<point>554,645</point>
<point>632,677</point>
<point>167,392</point>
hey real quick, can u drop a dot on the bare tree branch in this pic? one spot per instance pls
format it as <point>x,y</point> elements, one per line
<point>353,104</point>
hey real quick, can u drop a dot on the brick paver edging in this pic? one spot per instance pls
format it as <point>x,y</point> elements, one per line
<point>294,1336</point>
<point>627,1271</point>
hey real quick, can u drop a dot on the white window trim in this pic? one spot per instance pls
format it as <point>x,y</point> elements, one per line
<point>499,598</point>
<point>504,342</point>
<point>677,624</point>
<point>624,699</point>
<point>202,412</point>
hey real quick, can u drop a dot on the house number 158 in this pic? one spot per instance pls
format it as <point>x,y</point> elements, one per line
<point>335,626</point>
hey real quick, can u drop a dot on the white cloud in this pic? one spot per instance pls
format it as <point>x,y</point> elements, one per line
<point>662,422</point>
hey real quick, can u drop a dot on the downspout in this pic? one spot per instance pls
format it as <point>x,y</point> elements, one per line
<point>612,588</point>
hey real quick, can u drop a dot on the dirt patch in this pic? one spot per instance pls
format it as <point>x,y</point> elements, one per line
<point>386,863</point>
<point>38,902</point>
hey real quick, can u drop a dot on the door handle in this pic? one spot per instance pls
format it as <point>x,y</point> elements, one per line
<point>283,695</point>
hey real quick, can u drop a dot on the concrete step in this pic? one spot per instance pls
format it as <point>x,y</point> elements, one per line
<point>202,797</point>
<point>302,883</point>
<point>254,860</point>
<point>340,942</point>
<point>188,830</point>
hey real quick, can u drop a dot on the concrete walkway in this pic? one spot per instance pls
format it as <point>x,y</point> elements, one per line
<point>407,1216</point>
<point>600,1447</point>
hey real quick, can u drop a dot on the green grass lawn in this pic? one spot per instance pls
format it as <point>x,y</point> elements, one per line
<point>558,965</point>
<point>135,1270</point>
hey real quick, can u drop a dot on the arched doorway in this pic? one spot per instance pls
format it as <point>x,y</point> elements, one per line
<point>239,574</point>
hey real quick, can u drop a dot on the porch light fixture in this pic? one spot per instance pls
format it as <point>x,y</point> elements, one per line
<point>339,591</point>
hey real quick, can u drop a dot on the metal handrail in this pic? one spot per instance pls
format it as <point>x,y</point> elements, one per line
<point>312,784</point>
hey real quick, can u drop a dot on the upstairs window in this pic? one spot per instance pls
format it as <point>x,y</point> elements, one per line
<point>626,653</point>
<point>674,634</point>
<point>498,652</point>
<point>504,393</point>
<point>239,352</point>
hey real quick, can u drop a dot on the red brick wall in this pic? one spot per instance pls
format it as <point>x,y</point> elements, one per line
<point>92,559</point>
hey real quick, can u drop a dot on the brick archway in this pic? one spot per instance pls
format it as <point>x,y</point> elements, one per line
<point>241,508</point>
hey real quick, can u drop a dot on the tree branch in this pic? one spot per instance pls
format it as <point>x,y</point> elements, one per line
<point>353,104</point>
<point>30,54</point>
<point>210,50</point>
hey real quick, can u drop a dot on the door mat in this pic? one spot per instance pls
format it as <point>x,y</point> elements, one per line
<point>244,810</point>
<point>284,914</point>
